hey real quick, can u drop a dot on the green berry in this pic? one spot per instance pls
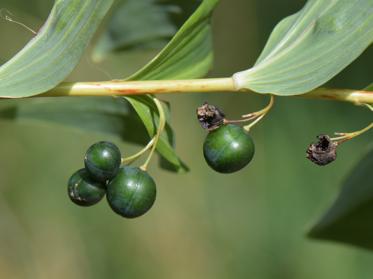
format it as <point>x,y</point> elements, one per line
<point>83,190</point>
<point>228,149</point>
<point>132,192</point>
<point>102,161</point>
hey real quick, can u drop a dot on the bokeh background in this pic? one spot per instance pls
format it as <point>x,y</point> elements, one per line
<point>251,224</point>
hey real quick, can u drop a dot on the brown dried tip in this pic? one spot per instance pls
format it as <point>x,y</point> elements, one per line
<point>210,116</point>
<point>323,152</point>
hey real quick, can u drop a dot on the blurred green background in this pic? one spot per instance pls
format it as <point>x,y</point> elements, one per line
<point>251,224</point>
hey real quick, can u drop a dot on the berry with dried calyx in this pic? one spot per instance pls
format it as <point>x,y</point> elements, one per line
<point>228,148</point>
<point>210,117</point>
<point>323,152</point>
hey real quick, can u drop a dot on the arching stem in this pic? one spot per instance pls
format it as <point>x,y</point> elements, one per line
<point>130,159</point>
<point>343,137</point>
<point>259,115</point>
<point>161,125</point>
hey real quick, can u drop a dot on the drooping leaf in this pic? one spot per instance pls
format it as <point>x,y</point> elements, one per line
<point>310,47</point>
<point>148,113</point>
<point>349,219</point>
<point>93,114</point>
<point>54,52</point>
<point>143,25</point>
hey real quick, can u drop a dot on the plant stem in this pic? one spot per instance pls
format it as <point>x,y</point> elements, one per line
<point>132,158</point>
<point>256,116</point>
<point>213,85</point>
<point>161,125</point>
<point>259,115</point>
<point>348,136</point>
<point>125,88</point>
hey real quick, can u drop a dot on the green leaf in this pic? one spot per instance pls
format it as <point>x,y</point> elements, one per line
<point>143,25</point>
<point>148,113</point>
<point>349,219</point>
<point>93,114</point>
<point>189,54</point>
<point>369,88</point>
<point>54,52</point>
<point>307,49</point>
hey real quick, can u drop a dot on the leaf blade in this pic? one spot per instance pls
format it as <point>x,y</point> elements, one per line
<point>54,52</point>
<point>189,53</point>
<point>309,48</point>
<point>348,220</point>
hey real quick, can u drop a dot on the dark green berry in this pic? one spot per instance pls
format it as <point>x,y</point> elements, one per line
<point>228,148</point>
<point>103,160</point>
<point>132,192</point>
<point>83,190</point>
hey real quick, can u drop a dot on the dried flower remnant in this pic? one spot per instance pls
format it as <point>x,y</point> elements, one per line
<point>210,117</point>
<point>323,152</point>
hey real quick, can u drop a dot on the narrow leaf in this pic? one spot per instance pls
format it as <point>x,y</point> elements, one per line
<point>349,219</point>
<point>307,49</point>
<point>54,52</point>
<point>148,113</point>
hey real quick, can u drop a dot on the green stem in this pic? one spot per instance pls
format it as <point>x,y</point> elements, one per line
<point>259,115</point>
<point>348,136</point>
<point>132,158</point>
<point>214,85</point>
<point>161,125</point>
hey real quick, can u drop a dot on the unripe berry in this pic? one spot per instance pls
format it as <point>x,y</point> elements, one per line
<point>228,148</point>
<point>102,161</point>
<point>83,190</point>
<point>132,192</point>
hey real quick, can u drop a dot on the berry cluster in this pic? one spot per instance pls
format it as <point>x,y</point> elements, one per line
<point>130,191</point>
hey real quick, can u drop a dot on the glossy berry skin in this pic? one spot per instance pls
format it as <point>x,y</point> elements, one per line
<point>228,149</point>
<point>83,190</point>
<point>102,161</point>
<point>132,192</point>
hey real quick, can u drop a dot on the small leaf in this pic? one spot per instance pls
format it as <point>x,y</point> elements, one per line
<point>148,113</point>
<point>307,49</point>
<point>54,52</point>
<point>349,219</point>
<point>143,25</point>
